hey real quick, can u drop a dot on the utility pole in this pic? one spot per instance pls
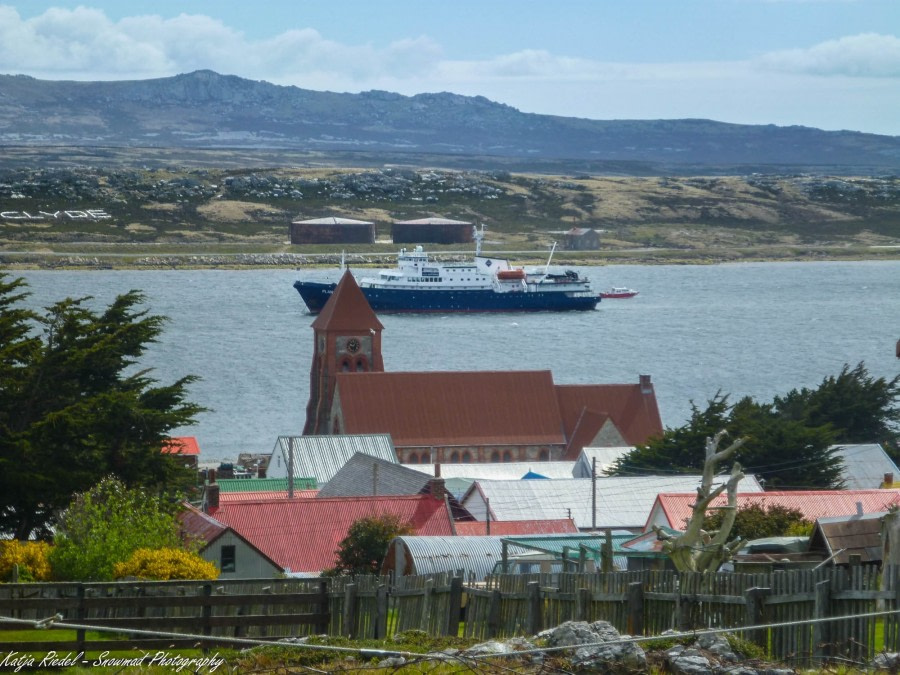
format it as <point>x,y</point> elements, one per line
<point>594,494</point>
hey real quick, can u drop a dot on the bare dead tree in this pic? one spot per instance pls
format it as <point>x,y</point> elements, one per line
<point>696,550</point>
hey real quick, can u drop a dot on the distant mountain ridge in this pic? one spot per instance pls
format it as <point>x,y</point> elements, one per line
<point>204,109</point>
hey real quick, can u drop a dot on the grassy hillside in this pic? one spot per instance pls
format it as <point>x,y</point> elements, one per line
<point>249,210</point>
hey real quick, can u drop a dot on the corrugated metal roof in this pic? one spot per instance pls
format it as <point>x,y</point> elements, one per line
<point>843,536</point>
<point>323,456</point>
<point>675,509</point>
<point>433,555</point>
<point>865,466</point>
<point>622,502</point>
<point>635,414</point>
<point>182,445</point>
<point>507,528</point>
<point>453,408</point>
<point>263,484</point>
<point>268,494</point>
<point>302,535</point>
<point>199,525</point>
<point>331,220</point>
<point>500,470</point>
<point>367,475</point>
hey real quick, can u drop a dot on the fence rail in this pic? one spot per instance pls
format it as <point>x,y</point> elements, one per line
<point>637,603</point>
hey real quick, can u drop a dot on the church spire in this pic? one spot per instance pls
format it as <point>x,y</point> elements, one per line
<point>347,339</point>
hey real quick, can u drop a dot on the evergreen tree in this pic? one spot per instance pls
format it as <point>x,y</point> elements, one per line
<point>783,452</point>
<point>74,406</point>
<point>363,549</point>
<point>860,408</point>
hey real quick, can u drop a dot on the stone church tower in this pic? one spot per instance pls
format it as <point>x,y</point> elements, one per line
<point>348,339</point>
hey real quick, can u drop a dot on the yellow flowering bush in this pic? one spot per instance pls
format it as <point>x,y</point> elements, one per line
<point>30,556</point>
<point>162,564</point>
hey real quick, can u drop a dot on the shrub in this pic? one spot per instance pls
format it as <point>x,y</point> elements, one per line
<point>162,564</point>
<point>106,525</point>
<point>30,556</point>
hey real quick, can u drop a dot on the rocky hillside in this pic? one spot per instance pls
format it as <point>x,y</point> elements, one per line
<point>203,205</point>
<point>206,110</point>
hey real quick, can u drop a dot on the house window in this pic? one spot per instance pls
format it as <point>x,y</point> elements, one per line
<point>413,458</point>
<point>544,455</point>
<point>426,457</point>
<point>466,457</point>
<point>454,457</point>
<point>228,563</point>
<point>495,456</point>
<point>507,456</point>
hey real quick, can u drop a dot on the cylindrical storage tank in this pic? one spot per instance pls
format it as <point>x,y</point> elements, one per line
<point>332,231</point>
<point>431,231</point>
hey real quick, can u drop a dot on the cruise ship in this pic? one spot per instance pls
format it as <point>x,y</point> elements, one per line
<point>485,284</point>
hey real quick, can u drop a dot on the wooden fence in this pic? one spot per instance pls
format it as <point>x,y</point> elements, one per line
<point>637,603</point>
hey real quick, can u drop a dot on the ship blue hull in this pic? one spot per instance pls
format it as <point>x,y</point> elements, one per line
<point>316,294</point>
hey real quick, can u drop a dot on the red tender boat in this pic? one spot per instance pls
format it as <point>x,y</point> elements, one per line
<point>617,292</point>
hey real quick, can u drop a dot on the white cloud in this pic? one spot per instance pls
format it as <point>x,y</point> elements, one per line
<point>864,55</point>
<point>84,44</point>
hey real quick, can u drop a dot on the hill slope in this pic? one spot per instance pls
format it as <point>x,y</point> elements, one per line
<point>206,110</point>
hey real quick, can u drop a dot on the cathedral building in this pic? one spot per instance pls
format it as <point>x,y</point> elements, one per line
<point>464,416</point>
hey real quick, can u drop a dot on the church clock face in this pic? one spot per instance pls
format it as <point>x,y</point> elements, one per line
<point>353,345</point>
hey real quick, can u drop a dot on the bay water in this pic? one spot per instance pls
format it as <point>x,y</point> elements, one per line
<point>757,329</point>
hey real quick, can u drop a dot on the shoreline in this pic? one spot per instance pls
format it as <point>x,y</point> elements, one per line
<point>44,260</point>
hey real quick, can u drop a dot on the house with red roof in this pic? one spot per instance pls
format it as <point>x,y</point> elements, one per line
<point>232,554</point>
<point>302,534</point>
<point>185,447</point>
<point>674,509</point>
<point>467,416</point>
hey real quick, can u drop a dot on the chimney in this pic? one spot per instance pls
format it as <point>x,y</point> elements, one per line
<point>859,509</point>
<point>261,470</point>
<point>888,480</point>
<point>646,387</point>
<point>212,497</point>
<point>437,469</point>
<point>211,476</point>
<point>437,488</point>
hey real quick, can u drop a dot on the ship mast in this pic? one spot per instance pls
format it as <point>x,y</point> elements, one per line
<point>547,266</point>
<point>478,237</point>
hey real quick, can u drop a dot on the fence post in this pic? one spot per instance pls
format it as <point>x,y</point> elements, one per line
<point>80,614</point>
<point>636,608</point>
<point>379,626</point>
<point>324,610</point>
<point>821,648</point>
<point>753,614</point>
<point>493,623</point>
<point>206,613</point>
<point>349,611</point>
<point>454,610</point>
<point>533,621</point>
<point>582,602</point>
<point>427,601</point>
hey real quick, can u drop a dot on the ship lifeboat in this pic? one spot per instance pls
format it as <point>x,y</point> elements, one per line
<point>510,275</point>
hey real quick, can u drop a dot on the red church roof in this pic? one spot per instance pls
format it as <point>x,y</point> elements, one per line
<point>302,535</point>
<point>631,407</point>
<point>465,408</point>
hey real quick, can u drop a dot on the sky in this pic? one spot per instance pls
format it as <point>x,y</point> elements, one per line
<point>831,64</point>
